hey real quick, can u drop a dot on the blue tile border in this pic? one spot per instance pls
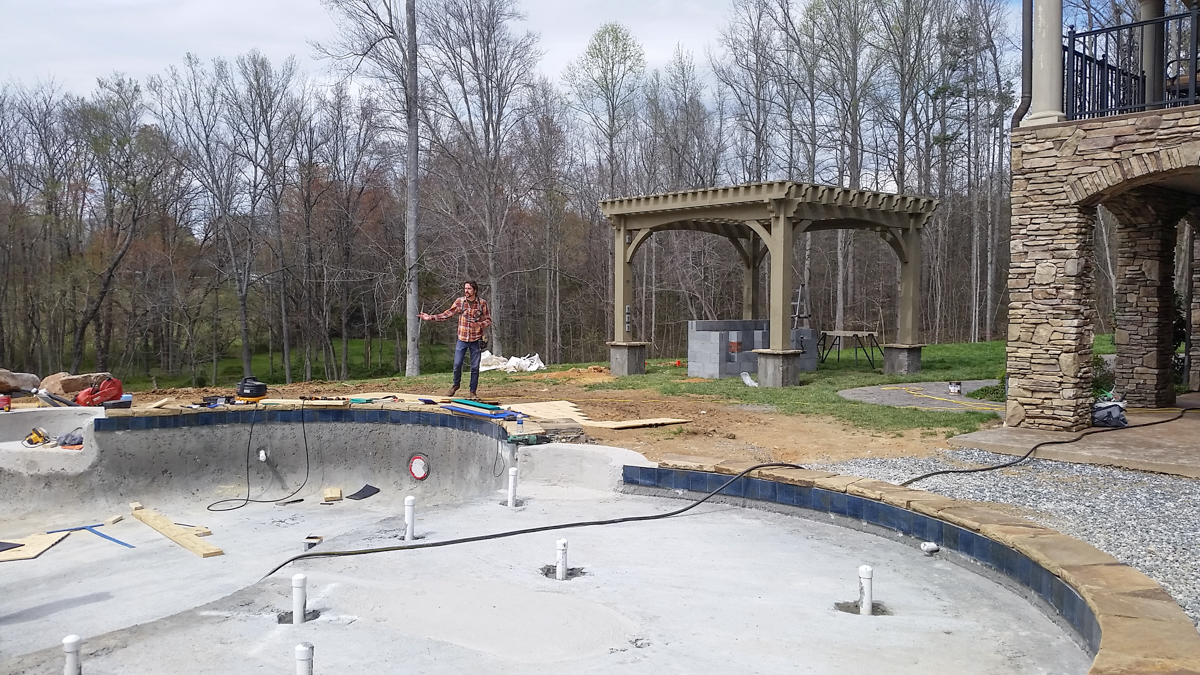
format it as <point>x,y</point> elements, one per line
<point>993,554</point>
<point>311,416</point>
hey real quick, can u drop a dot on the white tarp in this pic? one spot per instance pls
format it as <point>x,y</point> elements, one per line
<point>516,364</point>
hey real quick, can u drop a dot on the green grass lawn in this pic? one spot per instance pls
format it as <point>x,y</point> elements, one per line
<point>818,391</point>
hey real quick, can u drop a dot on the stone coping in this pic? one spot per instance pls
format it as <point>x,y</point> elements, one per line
<point>1129,623</point>
<point>141,419</point>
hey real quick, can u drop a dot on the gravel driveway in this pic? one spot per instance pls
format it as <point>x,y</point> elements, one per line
<point>1146,520</point>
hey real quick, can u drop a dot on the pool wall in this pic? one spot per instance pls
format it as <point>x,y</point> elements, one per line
<point>202,455</point>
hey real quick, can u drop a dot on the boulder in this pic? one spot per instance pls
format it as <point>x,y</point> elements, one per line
<point>66,384</point>
<point>10,381</point>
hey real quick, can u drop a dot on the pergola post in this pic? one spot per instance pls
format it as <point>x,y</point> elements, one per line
<point>779,366</point>
<point>904,357</point>
<point>751,286</point>
<point>626,357</point>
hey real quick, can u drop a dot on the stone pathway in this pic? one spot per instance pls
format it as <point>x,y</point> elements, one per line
<point>925,396</point>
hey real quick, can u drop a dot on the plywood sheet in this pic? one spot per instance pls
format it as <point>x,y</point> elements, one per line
<point>34,545</point>
<point>526,429</point>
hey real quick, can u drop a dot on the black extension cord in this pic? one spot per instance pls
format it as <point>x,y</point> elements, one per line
<point>528,530</point>
<point>1022,458</point>
<point>243,501</point>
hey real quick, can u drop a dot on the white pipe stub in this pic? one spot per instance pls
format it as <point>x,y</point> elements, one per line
<point>865,592</point>
<point>512,487</point>
<point>71,646</point>
<point>304,658</point>
<point>560,567</point>
<point>299,598</point>
<point>410,518</point>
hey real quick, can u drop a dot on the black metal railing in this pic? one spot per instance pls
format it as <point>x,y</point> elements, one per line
<point>1139,66</point>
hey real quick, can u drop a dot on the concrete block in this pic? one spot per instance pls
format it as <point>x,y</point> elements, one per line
<point>778,368</point>
<point>901,359</point>
<point>628,358</point>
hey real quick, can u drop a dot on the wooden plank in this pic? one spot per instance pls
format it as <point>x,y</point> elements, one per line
<point>634,424</point>
<point>307,404</point>
<point>184,536</point>
<point>113,520</point>
<point>331,495</point>
<point>34,545</point>
<point>159,404</point>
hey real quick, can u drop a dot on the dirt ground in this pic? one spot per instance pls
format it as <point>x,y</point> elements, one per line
<point>718,431</point>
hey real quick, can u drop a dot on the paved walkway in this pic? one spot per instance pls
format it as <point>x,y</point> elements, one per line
<point>1171,447</point>
<point>925,396</point>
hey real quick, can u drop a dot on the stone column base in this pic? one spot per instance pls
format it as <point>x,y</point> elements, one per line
<point>627,358</point>
<point>779,367</point>
<point>901,359</point>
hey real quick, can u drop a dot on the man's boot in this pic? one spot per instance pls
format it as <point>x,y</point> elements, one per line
<point>452,391</point>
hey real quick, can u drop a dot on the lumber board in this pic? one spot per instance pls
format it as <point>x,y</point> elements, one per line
<point>307,404</point>
<point>331,495</point>
<point>34,545</point>
<point>184,536</point>
<point>635,423</point>
<point>160,403</point>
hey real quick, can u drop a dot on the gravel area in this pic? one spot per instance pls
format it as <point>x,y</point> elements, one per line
<point>1146,520</point>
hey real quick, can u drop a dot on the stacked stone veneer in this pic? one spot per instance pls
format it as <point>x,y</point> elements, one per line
<point>1061,172</point>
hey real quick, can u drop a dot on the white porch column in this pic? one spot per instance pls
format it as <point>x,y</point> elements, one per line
<point>1046,106</point>
<point>1153,50</point>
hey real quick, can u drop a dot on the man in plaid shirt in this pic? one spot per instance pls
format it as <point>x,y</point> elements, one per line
<point>473,317</point>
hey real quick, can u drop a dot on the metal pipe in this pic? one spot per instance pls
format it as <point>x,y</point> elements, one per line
<point>1026,63</point>
<point>299,598</point>
<point>410,518</point>
<point>71,645</point>
<point>512,487</point>
<point>560,567</point>
<point>304,658</point>
<point>865,592</point>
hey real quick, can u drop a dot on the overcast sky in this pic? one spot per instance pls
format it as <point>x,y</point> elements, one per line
<point>76,41</point>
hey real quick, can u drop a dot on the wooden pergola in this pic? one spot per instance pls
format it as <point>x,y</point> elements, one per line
<point>762,218</point>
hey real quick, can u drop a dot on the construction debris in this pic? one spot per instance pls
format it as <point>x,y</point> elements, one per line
<point>331,495</point>
<point>184,536</point>
<point>32,546</point>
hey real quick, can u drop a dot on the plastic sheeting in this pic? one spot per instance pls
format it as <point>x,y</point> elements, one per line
<point>516,364</point>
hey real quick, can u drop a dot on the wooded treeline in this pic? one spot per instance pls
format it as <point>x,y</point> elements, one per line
<point>239,207</point>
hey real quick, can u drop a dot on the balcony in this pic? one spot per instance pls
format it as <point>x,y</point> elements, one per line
<point>1147,65</point>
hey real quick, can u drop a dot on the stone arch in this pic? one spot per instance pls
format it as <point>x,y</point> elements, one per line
<point>1131,172</point>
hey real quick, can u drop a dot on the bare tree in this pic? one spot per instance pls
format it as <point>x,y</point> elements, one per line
<point>480,74</point>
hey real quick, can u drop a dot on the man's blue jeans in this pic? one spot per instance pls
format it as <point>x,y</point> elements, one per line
<point>460,349</point>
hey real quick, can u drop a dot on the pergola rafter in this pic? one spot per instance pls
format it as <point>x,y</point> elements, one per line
<point>762,218</point>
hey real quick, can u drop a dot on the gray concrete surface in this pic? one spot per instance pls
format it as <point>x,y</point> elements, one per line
<point>1171,447</point>
<point>925,395</point>
<point>720,590</point>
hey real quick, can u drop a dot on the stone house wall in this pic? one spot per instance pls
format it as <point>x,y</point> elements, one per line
<point>1061,172</point>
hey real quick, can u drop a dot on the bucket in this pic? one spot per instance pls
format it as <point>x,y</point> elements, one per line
<point>5,403</point>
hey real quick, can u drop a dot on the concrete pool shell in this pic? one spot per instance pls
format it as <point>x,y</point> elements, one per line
<point>722,588</point>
